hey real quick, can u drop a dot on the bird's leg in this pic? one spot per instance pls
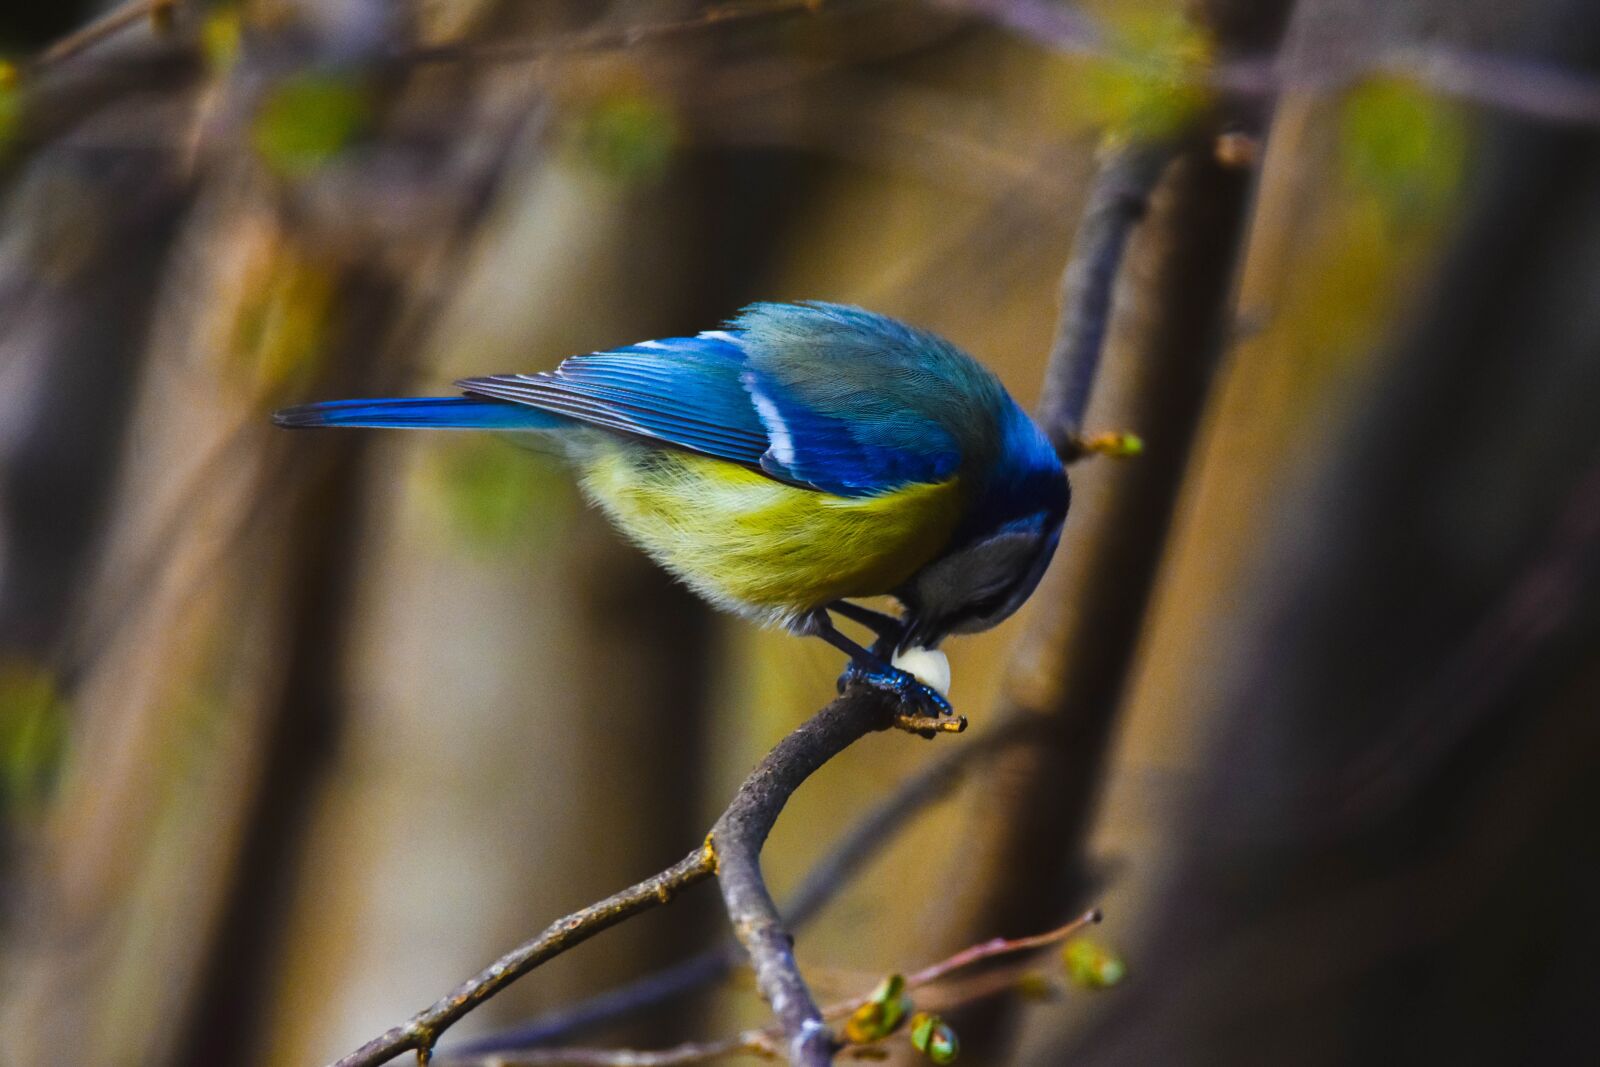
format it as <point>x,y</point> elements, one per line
<point>888,629</point>
<point>870,667</point>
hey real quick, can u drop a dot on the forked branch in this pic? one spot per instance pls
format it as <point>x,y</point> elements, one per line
<point>732,852</point>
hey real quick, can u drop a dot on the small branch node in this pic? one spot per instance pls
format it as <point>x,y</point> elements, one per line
<point>1117,444</point>
<point>1237,150</point>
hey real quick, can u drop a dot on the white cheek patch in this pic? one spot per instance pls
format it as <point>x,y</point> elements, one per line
<point>928,666</point>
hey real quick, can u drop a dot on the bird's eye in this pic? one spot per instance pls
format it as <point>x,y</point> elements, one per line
<point>987,604</point>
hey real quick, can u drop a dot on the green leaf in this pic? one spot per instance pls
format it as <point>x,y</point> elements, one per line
<point>1404,146</point>
<point>10,104</point>
<point>1149,84</point>
<point>33,718</point>
<point>308,118</point>
<point>282,326</point>
<point>221,33</point>
<point>630,135</point>
<point>492,496</point>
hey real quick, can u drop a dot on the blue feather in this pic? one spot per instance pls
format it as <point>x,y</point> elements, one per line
<point>751,395</point>
<point>684,391</point>
<point>956,497</point>
<point>426,412</point>
<point>824,396</point>
<point>869,403</point>
<point>829,453</point>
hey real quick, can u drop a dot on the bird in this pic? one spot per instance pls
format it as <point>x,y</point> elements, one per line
<point>801,458</point>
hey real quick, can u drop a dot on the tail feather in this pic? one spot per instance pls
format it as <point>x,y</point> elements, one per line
<point>423,413</point>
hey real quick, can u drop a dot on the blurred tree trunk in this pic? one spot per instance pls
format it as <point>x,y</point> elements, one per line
<point>1170,325</point>
<point>1349,799</point>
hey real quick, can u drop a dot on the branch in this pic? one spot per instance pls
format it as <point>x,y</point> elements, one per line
<point>686,1053</point>
<point>998,946</point>
<point>1116,203</point>
<point>761,1042</point>
<point>1520,86</point>
<point>609,38</point>
<point>737,838</point>
<point>422,1030</point>
<point>837,869</point>
<point>732,852</point>
<point>108,25</point>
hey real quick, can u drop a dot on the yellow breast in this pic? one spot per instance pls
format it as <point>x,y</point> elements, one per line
<point>761,547</point>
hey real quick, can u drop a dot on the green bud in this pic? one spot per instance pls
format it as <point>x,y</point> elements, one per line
<point>1036,986</point>
<point>883,1012</point>
<point>932,1036</point>
<point>308,118</point>
<point>1093,965</point>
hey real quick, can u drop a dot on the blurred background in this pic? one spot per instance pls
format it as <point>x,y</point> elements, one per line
<point>299,730</point>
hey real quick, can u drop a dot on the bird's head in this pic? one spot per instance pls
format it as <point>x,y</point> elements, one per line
<point>997,558</point>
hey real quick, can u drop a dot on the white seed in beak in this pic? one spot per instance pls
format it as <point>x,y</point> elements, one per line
<point>928,666</point>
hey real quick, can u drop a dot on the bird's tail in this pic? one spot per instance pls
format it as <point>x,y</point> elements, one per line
<point>422,413</point>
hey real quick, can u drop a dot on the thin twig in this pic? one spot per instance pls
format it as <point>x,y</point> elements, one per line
<point>1517,86</point>
<point>422,1030</point>
<point>762,1042</point>
<point>609,38</point>
<point>732,852</point>
<point>562,1024</point>
<point>1117,201</point>
<point>971,955</point>
<point>864,841</point>
<point>111,23</point>
<point>1064,29</point>
<point>1522,87</point>
<point>677,1055</point>
<point>998,946</point>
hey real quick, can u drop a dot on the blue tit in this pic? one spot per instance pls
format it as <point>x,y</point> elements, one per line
<point>805,456</point>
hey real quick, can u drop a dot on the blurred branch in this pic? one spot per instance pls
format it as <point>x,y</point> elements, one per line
<point>1072,662</point>
<point>848,857</point>
<point>1063,28</point>
<point>762,1042</point>
<point>1525,88</point>
<point>110,24</point>
<point>1522,87</point>
<point>1117,201</point>
<point>688,1052</point>
<point>610,38</point>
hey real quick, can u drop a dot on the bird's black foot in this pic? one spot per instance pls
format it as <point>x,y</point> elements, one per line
<point>918,698</point>
<point>922,709</point>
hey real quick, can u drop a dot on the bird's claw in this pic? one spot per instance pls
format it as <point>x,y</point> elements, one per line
<point>917,697</point>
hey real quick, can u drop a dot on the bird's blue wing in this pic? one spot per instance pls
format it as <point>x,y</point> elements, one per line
<point>838,453</point>
<point>683,391</point>
<point>856,402</point>
<point>790,402</point>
